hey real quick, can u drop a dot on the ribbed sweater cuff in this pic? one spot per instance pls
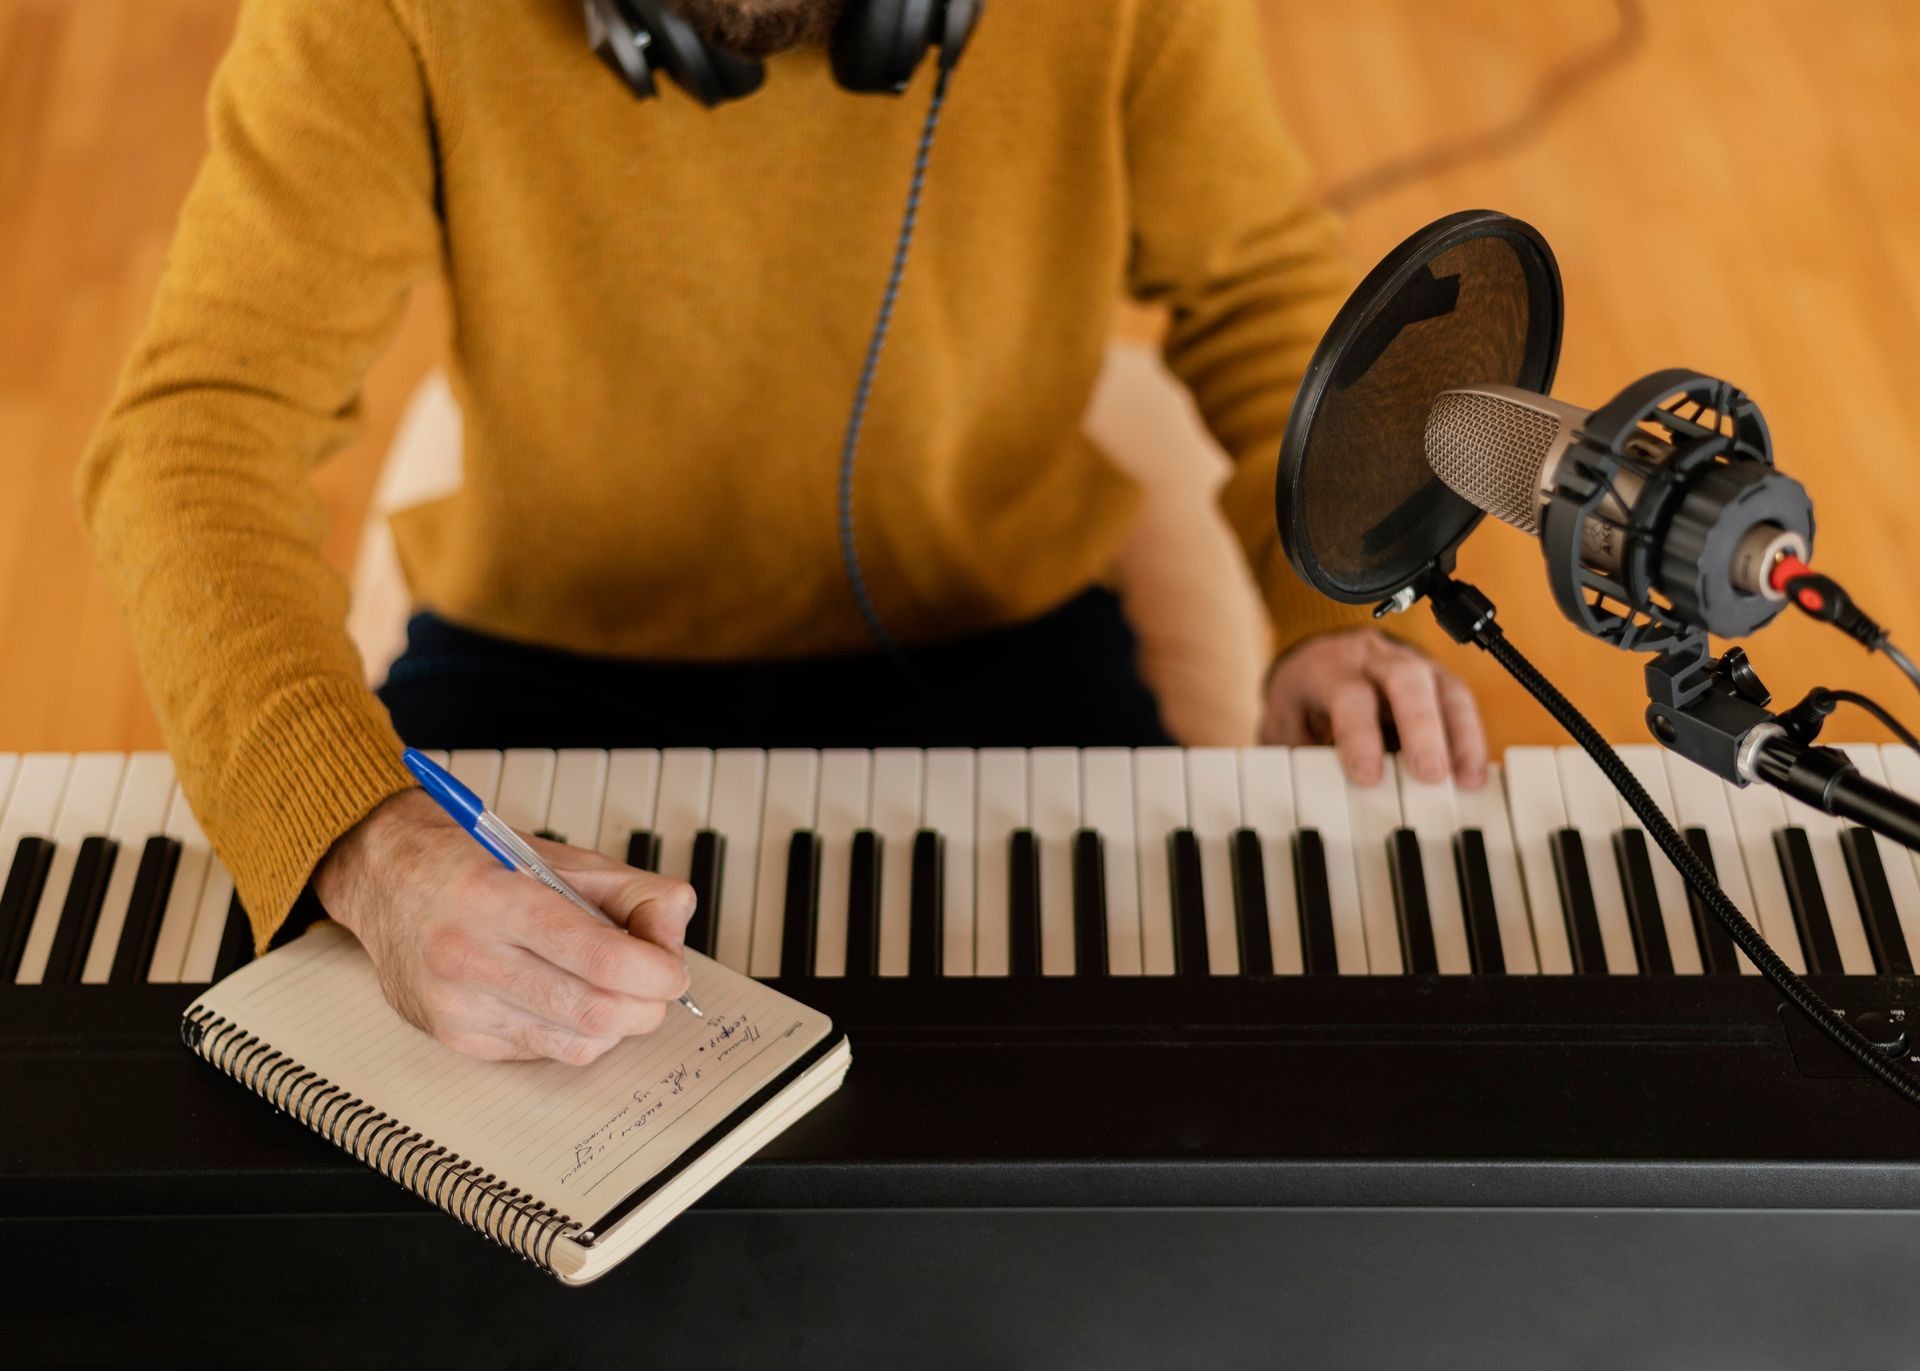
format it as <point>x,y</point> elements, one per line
<point>313,762</point>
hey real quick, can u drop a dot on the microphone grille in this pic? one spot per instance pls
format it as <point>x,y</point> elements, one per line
<point>1489,450</point>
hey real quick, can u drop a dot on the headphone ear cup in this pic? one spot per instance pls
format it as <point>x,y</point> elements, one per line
<point>879,44</point>
<point>710,76</point>
<point>614,41</point>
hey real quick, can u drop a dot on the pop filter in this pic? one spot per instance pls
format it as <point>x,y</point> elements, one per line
<point>1469,300</point>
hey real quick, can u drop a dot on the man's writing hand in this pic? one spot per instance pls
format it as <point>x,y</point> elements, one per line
<point>1346,688</point>
<point>493,964</point>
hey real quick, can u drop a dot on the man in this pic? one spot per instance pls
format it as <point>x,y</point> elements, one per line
<point>659,313</point>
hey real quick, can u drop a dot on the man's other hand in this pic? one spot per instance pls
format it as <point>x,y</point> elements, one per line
<point>1359,688</point>
<point>493,964</point>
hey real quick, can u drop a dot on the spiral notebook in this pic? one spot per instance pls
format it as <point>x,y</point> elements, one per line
<point>571,1167</point>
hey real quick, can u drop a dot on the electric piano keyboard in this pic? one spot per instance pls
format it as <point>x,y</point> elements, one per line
<point>1129,1027</point>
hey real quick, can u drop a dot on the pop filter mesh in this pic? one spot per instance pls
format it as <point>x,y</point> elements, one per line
<point>1472,300</point>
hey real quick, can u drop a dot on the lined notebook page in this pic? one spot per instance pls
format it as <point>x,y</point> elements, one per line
<point>578,1138</point>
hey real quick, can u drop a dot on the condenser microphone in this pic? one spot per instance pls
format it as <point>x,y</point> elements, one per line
<point>1513,453</point>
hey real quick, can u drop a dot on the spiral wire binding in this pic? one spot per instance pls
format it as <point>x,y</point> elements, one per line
<point>479,1199</point>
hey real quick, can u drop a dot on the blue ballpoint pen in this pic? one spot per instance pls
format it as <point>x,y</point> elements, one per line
<point>493,833</point>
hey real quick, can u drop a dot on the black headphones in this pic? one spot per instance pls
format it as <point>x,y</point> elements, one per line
<point>877,46</point>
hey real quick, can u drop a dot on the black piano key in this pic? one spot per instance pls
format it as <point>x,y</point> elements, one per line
<point>1717,952</point>
<point>1877,912</point>
<point>1089,904</point>
<point>1250,903</point>
<point>1410,903</point>
<point>1190,956</point>
<point>1576,903</point>
<point>1023,904</point>
<point>709,868</point>
<point>152,883</point>
<point>236,942</point>
<point>548,835</point>
<point>926,906</point>
<point>799,920</point>
<point>1635,860</point>
<point>1482,916</point>
<point>863,905</point>
<point>80,915</point>
<point>26,882</point>
<point>1319,952</point>
<point>643,850</point>
<point>1809,904</point>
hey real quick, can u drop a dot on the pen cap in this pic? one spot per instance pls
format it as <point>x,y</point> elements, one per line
<point>445,789</point>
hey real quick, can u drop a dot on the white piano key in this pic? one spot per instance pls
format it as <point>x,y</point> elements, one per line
<point>1002,810</point>
<point>1374,813</point>
<point>1213,813</point>
<point>1757,815</point>
<point>792,780</point>
<point>898,787</point>
<point>1320,800</point>
<point>1053,813</point>
<point>139,814</point>
<point>39,782</point>
<point>209,925</point>
<point>183,901</point>
<point>846,786</point>
<point>1486,810</point>
<point>1106,802</point>
<point>950,813</point>
<point>1836,886</point>
<point>1159,811</point>
<point>526,785</point>
<point>1647,764</point>
<point>85,810</point>
<point>1593,807</point>
<point>685,800</point>
<point>1902,767</point>
<point>478,769</point>
<point>739,788</point>
<point>633,785</point>
<point>1428,808</point>
<point>579,794</point>
<point>1266,807</point>
<point>1700,801</point>
<point>1902,880</point>
<point>9,764</point>
<point>1537,810</point>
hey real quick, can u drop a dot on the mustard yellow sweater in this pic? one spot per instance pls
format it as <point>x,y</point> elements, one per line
<point>659,313</point>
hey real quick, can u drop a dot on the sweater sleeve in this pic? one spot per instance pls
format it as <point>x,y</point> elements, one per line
<point>311,219</point>
<point>1225,234</point>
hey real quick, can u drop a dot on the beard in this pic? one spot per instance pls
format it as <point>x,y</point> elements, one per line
<point>757,29</point>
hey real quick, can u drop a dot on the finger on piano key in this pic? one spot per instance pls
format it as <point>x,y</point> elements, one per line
<point>183,900</point>
<point>926,937</point>
<point>950,813</point>
<point>899,790</point>
<point>236,942</point>
<point>1407,874</point>
<point>1053,814</point>
<point>845,788</point>
<point>1537,812</point>
<point>1106,801</point>
<point>146,906</point>
<point>80,914</point>
<point>793,782</point>
<point>1320,799</point>
<point>1485,811</point>
<point>1593,807</point>
<point>739,790</point>
<point>1700,808</point>
<point>1682,947</point>
<point>526,788</point>
<point>1159,811</point>
<point>1757,815</point>
<point>478,769</point>
<point>863,905</point>
<point>1897,870</point>
<point>1002,811</point>
<point>1428,811</point>
<point>801,906</point>
<point>209,926</point>
<point>578,798</point>
<point>1836,887</point>
<point>86,808</point>
<point>1192,955</point>
<point>633,786</point>
<point>1089,904</point>
<point>1266,807</point>
<point>139,815</point>
<point>1375,811</point>
<point>1213,816</point>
